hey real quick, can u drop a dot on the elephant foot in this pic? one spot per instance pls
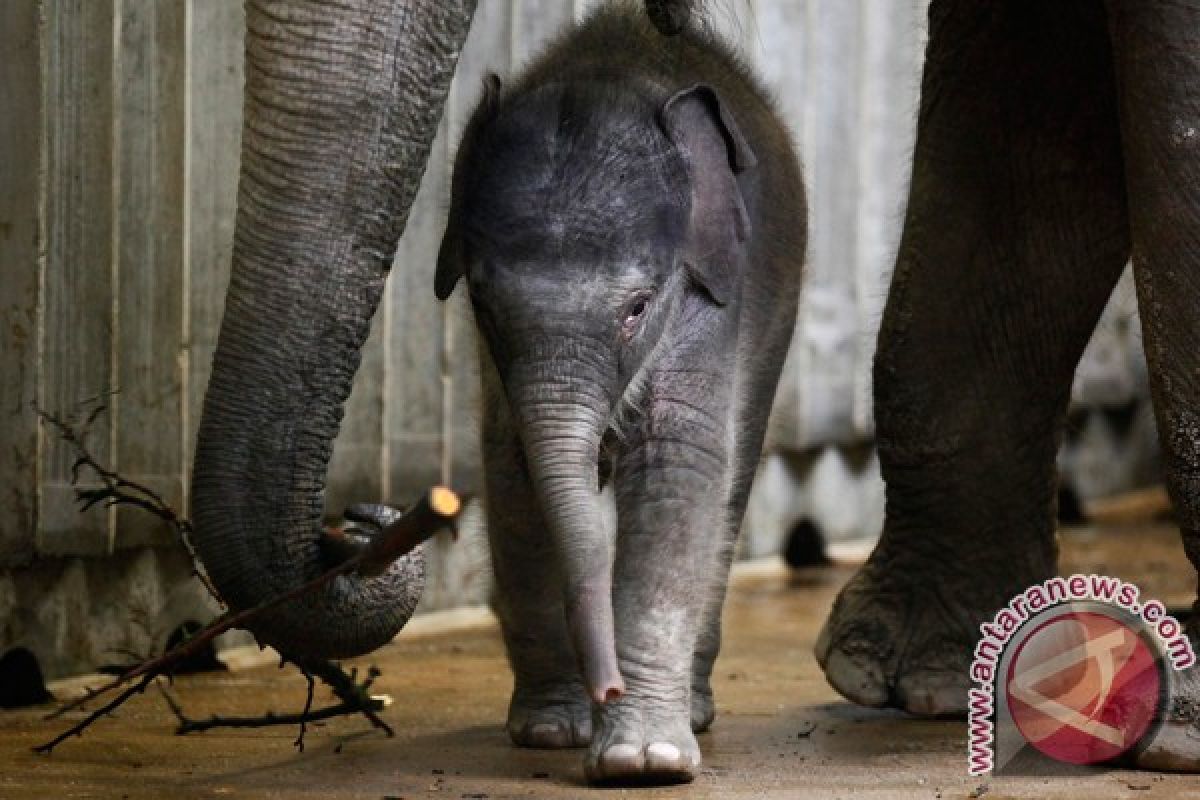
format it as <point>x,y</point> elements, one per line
<point>1175,745</point>
<point>550,718</point>
<point>637,744</point>
<point>902,635</point>
<point>704,708</point>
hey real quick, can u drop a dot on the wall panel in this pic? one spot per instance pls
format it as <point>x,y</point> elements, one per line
<point>79,275</point>
<point>20,263</point>
<point>148,254</point>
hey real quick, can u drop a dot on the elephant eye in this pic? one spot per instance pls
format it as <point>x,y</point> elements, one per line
<point>634,311</point>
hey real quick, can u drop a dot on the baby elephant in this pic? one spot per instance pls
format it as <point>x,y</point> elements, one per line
<point>629,218</point>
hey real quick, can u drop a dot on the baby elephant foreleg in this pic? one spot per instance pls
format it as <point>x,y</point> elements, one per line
<point>670,486</point>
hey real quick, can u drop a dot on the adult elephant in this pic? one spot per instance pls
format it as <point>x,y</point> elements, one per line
<point>342,103</point>
<point>1055,140</point>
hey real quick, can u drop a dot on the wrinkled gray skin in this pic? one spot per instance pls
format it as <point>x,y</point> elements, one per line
<point>342,103</point>
<point>635,292</point>
<point>1055,140</point>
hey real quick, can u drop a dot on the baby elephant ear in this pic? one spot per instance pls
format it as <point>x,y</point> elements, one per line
<point>451,261</point>
<point>716,152</point>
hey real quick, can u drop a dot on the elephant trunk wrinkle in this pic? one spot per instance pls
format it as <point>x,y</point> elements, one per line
<point>562,443</point>
<point>325,129</point>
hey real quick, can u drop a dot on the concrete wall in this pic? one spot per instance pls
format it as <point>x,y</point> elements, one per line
<point>119,135</point>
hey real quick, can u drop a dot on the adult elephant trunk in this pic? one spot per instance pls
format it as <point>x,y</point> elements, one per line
<point>343,99</point>
<point>562,421</point>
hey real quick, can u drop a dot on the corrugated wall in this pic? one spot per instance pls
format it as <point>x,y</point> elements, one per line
<point>119,137</point>
<point>119,131</point>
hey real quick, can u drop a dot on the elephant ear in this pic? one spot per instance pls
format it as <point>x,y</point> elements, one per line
<point>451,260</point>
<point>716,152</point>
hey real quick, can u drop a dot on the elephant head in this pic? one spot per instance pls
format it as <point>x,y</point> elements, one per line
<point>590,219</point>
<point>342,103</point>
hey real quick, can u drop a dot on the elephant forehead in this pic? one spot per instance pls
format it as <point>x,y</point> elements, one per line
<point>589,215</point>
<point>574,166</point>
<point>565,285</point>
<point>603,234</point>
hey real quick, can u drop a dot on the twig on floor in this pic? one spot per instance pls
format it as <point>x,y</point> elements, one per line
<point>308,698</point>
<point>79,727</point>
<point>354,695</point>
<point>346,708</point>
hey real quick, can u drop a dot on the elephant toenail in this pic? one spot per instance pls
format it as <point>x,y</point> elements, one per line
<point>622,756</point>
<point>544,729</point>
<point>663,752</point>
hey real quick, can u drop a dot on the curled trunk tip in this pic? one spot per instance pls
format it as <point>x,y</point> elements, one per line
<point>590,620</point>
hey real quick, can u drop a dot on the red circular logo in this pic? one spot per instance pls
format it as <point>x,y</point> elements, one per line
<point>1083,687</point>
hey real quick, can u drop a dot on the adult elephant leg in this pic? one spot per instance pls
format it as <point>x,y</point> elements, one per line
<point>342,102</point>
<point>1015,234</point>
<point>1156,48</point>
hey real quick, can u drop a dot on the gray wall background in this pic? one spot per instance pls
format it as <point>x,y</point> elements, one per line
<point>119,140</point>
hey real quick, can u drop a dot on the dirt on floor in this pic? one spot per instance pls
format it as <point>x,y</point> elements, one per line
<point>780,731</point>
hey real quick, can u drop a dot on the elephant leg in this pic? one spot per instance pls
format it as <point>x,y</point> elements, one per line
<point>1015,234</point>
<point>549,707</point>
<point>708,634</point>
<point>671,486</point>
<point>769,349</point>
<point>1156,48</point>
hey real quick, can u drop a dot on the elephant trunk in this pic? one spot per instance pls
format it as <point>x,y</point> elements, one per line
<point>342,103</point>
<point>562,423</point>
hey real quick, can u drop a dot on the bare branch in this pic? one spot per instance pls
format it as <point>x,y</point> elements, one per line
<point>119,491</point>
<point>308,698</point>
<point>79,727</point>
<point>359,703</point>
<point>398,534</point>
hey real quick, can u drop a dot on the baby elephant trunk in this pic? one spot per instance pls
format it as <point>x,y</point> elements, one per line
<point>562,440</point>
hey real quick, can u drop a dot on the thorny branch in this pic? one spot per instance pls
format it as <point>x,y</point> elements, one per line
<point>436,511</point>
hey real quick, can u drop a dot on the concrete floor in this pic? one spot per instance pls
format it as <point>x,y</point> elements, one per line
<point>780,732</point>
